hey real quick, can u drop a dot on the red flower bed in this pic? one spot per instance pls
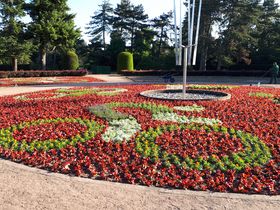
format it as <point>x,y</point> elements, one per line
<point>198,143</point>
<point>46,80</point>
<point>48,131</point>
<point>171,148</point>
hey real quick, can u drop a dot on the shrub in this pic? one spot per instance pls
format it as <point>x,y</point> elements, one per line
<point>48,73</point>
<point>72,60</point>
<point>125,62</point>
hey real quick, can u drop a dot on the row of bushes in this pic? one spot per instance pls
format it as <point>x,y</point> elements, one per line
<point>67,61</point>
<point>6,67</point>
<point>47,73</point>
<point>197,73</point>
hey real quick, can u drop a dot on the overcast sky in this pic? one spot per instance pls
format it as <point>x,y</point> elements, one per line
<point>85,8</point>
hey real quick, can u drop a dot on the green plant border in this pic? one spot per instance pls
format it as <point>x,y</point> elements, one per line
<point>206,87</point>
<point>7,140</point>
<point>261,95</point>
<point>76,93</point>
<point>255,153</point>
<point>87,91</point>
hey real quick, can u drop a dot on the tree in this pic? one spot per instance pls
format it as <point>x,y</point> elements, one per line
<point>137,22</point>
<point>210,15</point>
<point>121,18</point>
<point>268,35</point>
<point>237,37</point>
<point>117,45</point>
<point>52,26</point>
<point>12,43</point>
<point>128,20</point>
<point>100,23</point>
<point>162,24</point>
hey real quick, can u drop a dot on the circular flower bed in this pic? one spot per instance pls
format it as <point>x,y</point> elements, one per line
<point>115,134</point>
<point>191,95</point>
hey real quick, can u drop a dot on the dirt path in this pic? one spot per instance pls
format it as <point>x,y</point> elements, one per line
<point>29,188</point>
<point>23,187</point>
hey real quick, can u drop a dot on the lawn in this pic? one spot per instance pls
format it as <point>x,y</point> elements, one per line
<point>114,134</point>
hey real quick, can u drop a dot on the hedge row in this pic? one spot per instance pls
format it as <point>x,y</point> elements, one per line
<point>47,73</point>
<point>237,73</point>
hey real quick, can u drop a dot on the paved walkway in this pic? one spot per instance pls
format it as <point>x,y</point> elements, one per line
<point>23,187</point>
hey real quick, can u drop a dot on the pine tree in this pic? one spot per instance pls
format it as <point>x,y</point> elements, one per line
<point>121,18</point>
<point>12,42</point>
<point>268,34</point>
<point>100,23</point>
<point>162,24</point>
<point>238,39</point>
<point>210,14</point>
<point>52,26</point>
<point>128,20</point>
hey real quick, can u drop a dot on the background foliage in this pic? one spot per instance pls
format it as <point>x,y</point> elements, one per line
<point>235,35</point>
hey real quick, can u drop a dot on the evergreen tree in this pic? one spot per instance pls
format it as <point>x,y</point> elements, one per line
<point>128,20</point>
<point>12,43</point>
<point>268,34</point>
<point>163,25</point>
<point>121,18</point>
<point>210,15</point>
<point>52,26</point>
<point>100,23</point>
<point>238,39</point>
<point>137,23</point>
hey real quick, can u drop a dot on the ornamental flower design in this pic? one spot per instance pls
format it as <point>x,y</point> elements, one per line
<point>113,133</point>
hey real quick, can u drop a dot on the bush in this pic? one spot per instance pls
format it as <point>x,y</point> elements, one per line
<point>48,73</point>
<point>125,62</point>
<point>72,60</point>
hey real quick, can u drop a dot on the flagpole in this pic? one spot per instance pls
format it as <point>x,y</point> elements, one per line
<point>191,34</point>
<point>197,33</point>
<point>181,36</point>
<point>176,36</point>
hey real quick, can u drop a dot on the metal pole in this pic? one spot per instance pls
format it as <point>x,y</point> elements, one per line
<point>197,33</point>
<point>191,33</point>
<point>185,69</point>
<point>176,37</point>
<point>189,22</point>
<point>181,36</point>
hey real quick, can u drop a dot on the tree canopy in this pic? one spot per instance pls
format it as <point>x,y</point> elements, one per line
<point>13,45</point>
<point>52,26</point>
<point>234,34</point>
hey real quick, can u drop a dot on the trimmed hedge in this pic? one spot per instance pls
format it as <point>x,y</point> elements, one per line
<point>125,62</point>
<point>48,73</point>
<point>240,73</point>
<point>6,67</point>
<point>72,60</point>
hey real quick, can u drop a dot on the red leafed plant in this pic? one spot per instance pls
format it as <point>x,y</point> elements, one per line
<point>160,164</point>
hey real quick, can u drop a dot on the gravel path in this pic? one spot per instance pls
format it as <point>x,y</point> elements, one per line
<point>29,188</point>
<point>23,187</point>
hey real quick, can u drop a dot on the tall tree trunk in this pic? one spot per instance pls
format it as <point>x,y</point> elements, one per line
<point>219,64</point>
<point>104,41</point>
<point>206,29</point>
<point>160,43</point>
<point>43,58</point>
<point>132,41</point>
<point>14,63</point>
<point>54,60</point>
<point>203,58</point>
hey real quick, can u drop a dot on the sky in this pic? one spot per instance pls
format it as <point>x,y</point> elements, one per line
<point>84,9</point>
